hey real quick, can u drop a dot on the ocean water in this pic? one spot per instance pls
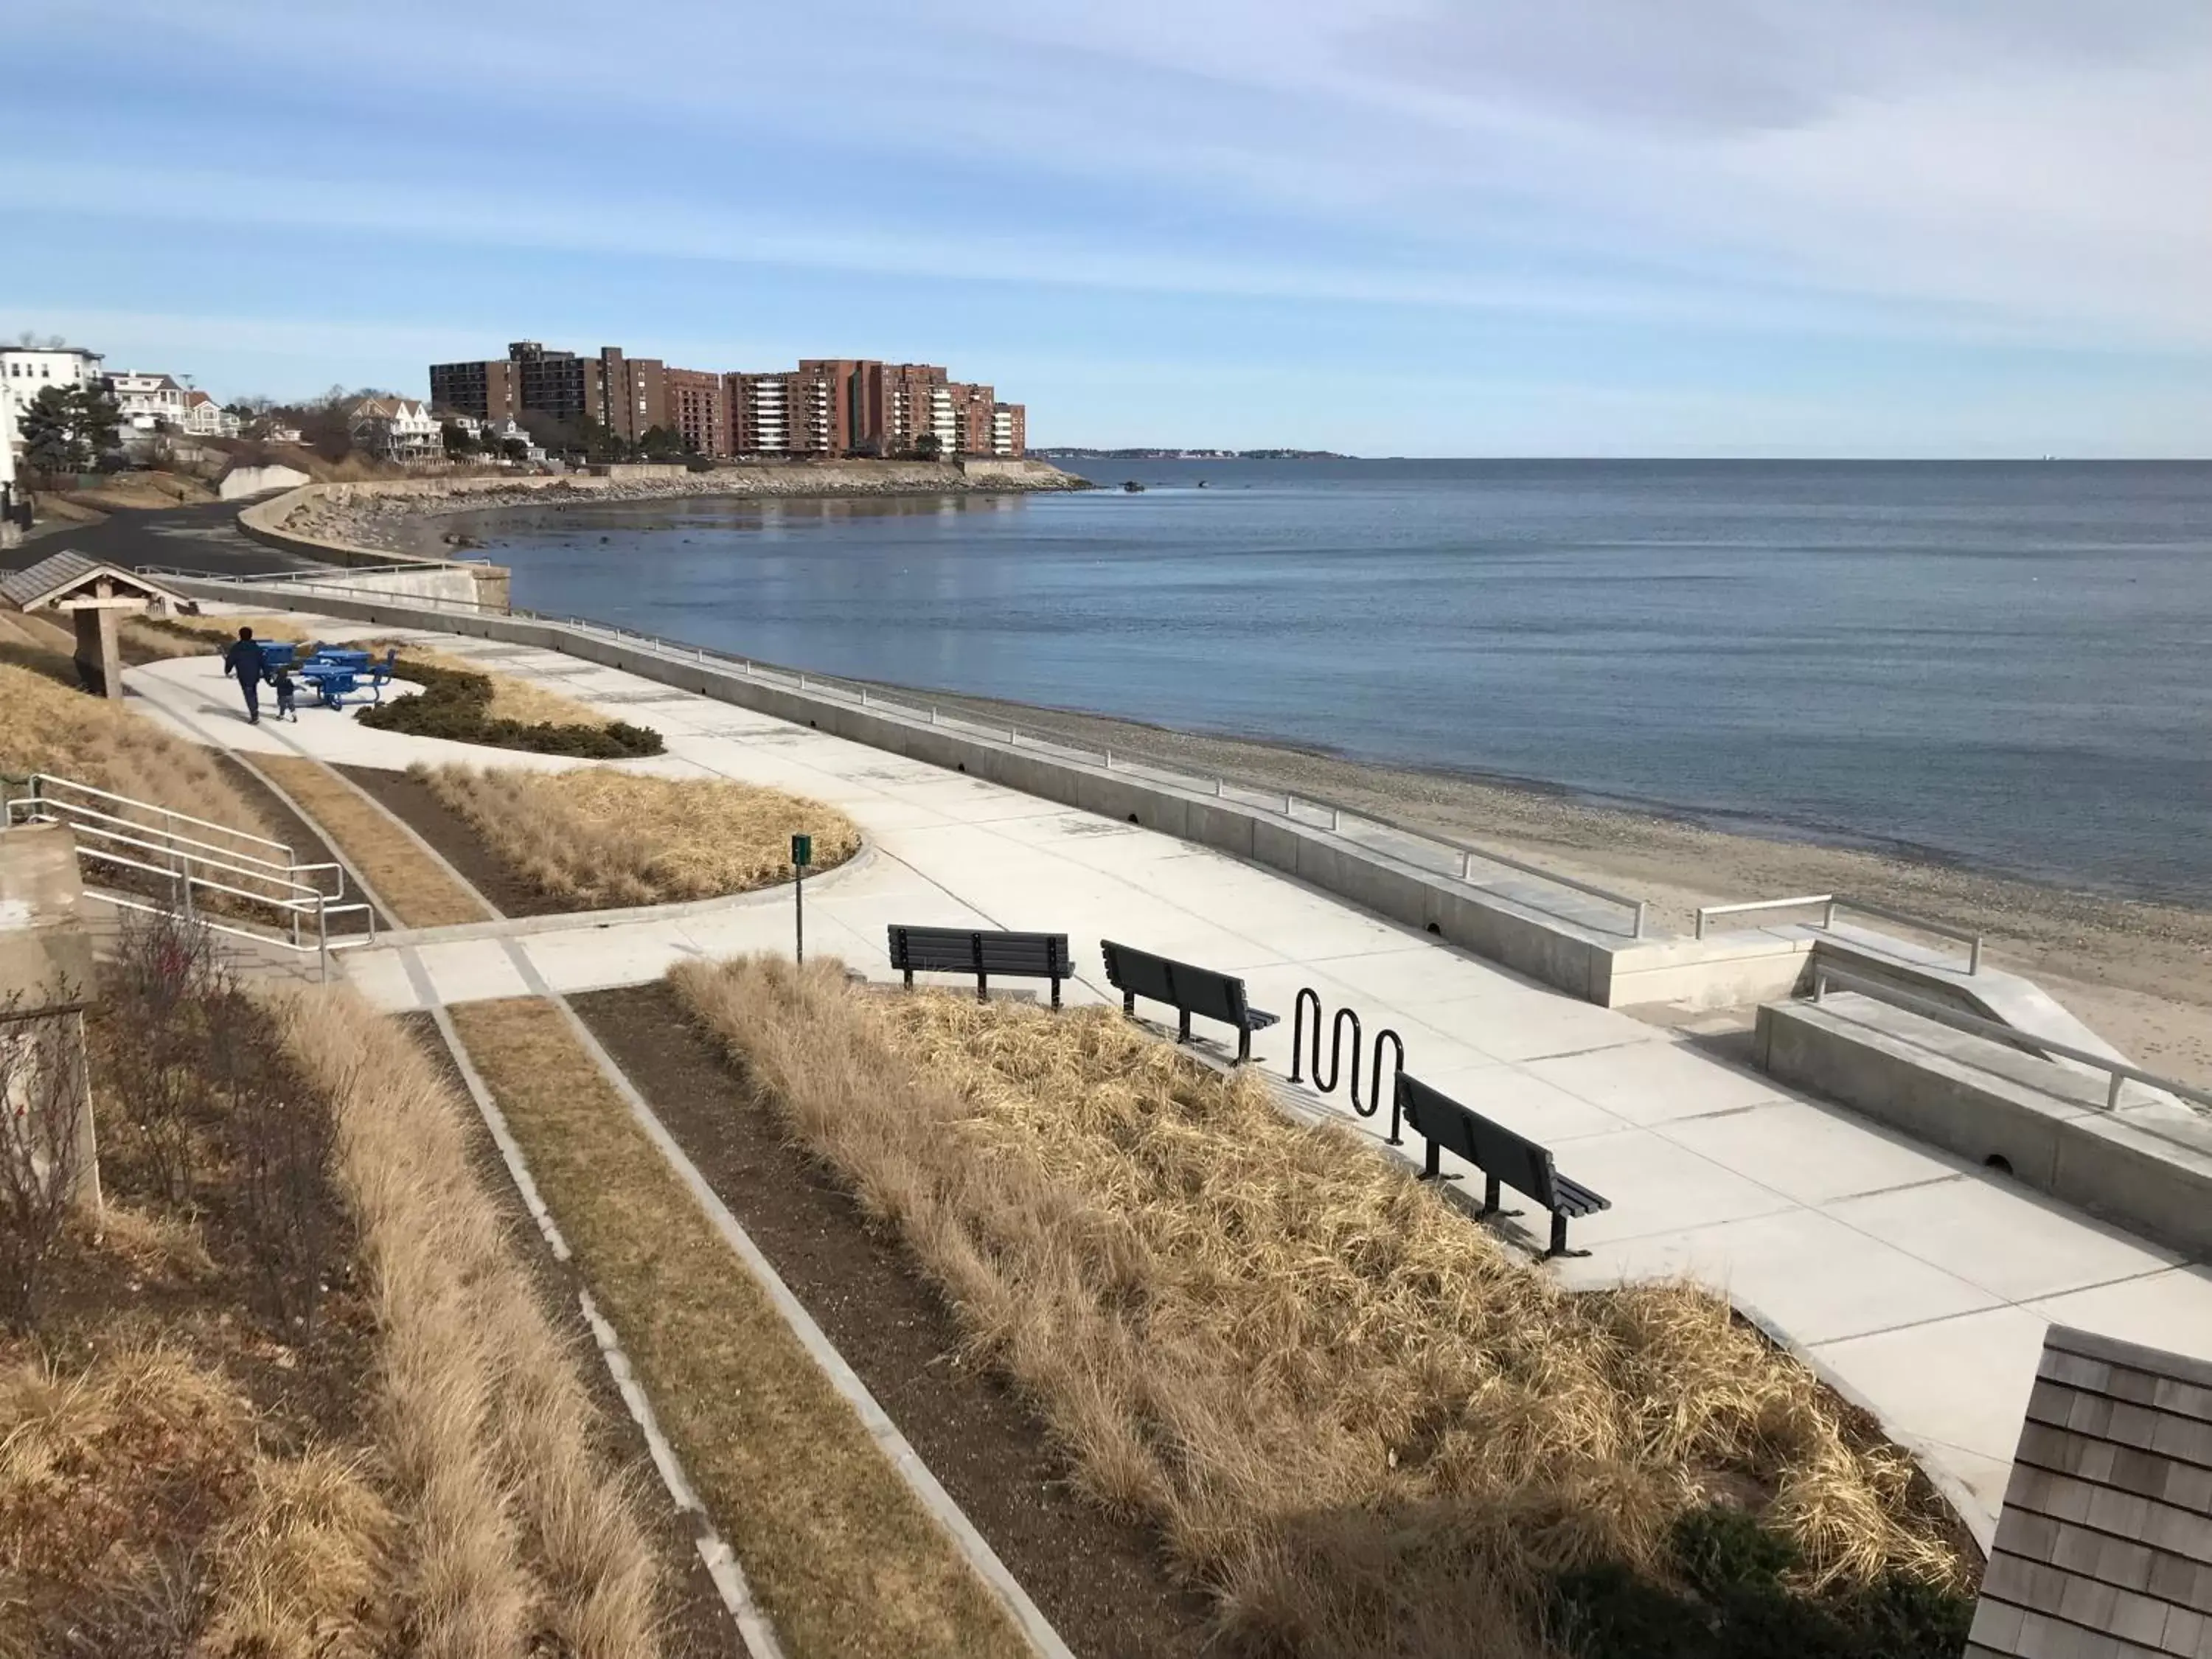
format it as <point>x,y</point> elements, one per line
<point>2007,664</point>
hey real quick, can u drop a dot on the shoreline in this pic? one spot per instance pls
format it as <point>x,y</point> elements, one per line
<point>401,516</point>
<point>2139,971</point>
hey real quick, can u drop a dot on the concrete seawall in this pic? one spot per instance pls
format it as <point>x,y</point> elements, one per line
<point>483,585</point>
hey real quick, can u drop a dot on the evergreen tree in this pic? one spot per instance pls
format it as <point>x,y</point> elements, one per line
<point>99,422</point>
<point>51,429</point>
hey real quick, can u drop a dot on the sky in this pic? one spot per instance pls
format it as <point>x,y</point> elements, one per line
<point>1705,228</point>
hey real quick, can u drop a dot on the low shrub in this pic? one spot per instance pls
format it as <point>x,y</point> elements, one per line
<point>1733,1597</point>
<point>456,704</point>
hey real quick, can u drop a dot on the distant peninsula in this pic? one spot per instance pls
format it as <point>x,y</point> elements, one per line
<point>1066,453</point>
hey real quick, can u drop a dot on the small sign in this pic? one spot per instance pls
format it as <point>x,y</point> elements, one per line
<point>802,851</point>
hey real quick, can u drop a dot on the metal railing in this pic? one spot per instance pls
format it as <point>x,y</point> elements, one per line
<point>271,577</point>
<point>193,870</point>
<point>2042,1047</point>
<point>1454,859</point>
<point>1832,903</point>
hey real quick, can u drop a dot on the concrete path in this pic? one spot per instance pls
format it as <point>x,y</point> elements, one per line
<point>1919,1285</point>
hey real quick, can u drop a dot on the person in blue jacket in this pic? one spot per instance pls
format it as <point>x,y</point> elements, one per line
<point>245,661</point>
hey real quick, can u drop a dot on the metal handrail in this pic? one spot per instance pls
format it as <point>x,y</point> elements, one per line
<point>228,857</point>
<point>41,779</point>
<point>2118,1071</point>
<point>867,697</point>
<point>1834,901</point>
<point>187,871</point>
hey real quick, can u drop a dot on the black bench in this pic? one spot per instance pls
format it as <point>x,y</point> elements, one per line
<point>1501,1155</point>
<point>968,951</point>
<point>1188,989</point>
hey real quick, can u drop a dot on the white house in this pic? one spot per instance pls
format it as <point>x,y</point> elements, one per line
<point>148,401</point>
<point>206,418</point>
<point>499,432</point>
<point>396,429</point>
<point>25,371</point>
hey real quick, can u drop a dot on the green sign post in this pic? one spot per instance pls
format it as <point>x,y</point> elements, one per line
<point>802,855</point>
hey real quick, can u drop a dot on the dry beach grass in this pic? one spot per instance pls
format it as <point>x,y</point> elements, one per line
<point>49,726</point>
<point>596,836</point>
<point>1364,1425</point>
<point>841,1552</point>
<point>512,1521</point>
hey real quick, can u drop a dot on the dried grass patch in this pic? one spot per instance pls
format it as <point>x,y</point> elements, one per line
<point>840,1551</point>
<point>597,837</point>
<point>513,698</point>
<point>512,1521</point>
<point>412,884</point>
<point>1359,1421</point>
<point>46,726</point>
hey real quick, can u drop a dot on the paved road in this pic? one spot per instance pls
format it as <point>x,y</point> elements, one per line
<point>205,538</point>
<point>1920,1282</point>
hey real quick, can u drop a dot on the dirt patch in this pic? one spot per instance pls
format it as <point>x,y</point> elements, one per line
<point>414,801</point>
<point>697,1624</point>
<point>1099,1580</point>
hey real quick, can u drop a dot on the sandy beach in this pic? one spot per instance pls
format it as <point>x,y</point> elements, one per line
<point>2140,974</point>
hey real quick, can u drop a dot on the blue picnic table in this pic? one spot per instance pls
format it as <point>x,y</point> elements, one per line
<point>336,674</point>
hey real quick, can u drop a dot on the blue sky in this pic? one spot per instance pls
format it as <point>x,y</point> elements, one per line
<point>1405,226</point>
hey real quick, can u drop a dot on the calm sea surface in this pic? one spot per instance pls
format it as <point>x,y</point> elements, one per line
<point>2009,665</point>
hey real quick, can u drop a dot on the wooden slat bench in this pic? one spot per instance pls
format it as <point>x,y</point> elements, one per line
<point>981,952</point>
<point>1186,987</point>
<point>1503,1156</point>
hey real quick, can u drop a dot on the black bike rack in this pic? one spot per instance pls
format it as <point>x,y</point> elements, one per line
<point>1306,1051</point>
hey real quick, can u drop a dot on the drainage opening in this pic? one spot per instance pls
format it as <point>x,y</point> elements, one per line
<point>963,766</point>
<point>1437,931</point>
<point>1132,818</point>
<point>1998,1162</point>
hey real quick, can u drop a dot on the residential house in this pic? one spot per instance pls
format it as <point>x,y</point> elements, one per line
<point>25,371</point>
<point>148,402</point>
<point>206,418</point>
<point>396,429</point>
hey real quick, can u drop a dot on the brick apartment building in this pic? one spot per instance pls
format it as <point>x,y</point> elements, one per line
<point>826,406</point>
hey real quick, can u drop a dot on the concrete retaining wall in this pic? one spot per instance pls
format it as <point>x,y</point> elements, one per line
<point>486,586</point>
<point>2054,1138</point>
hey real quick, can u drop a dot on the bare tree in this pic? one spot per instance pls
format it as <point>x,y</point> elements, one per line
<point>166,973</point>
<point>282,1137</point>
<point>46,1141</point>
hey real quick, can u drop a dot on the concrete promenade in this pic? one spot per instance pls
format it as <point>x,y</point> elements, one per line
<point>1919,1284</point>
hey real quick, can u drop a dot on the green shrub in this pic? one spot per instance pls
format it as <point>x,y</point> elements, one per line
<point>1731,1600</point>
<point>457,705</point>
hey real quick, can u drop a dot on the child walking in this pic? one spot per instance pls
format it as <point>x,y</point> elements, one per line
<point>286,690</point>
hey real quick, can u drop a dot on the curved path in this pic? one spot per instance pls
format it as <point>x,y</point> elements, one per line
<point>1917,1283</point>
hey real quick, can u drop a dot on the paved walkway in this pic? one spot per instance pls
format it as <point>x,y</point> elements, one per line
<point>1918,1283</point>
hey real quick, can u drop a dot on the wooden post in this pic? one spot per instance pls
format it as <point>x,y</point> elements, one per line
<point>110,651</point>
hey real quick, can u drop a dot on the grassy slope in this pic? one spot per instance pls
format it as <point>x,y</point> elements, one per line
<point>837,1547</point>
<point>1361,1422</point>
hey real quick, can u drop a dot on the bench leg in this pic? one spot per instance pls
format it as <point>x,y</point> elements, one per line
<point>910,979</point>
<point>982,986</point>
<point>1182,1031</point>
<point>1128,1004</point>
<point>1559,1238</point>
<point>1244,1046</point>
<point>1434,1169</point>
<point>1055,992</point>
<point>1490,1194</point>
